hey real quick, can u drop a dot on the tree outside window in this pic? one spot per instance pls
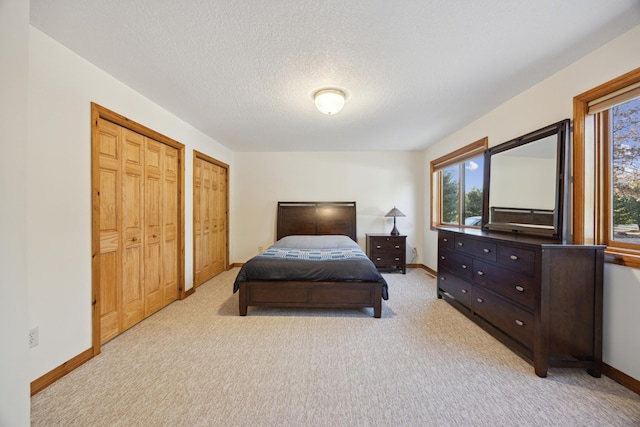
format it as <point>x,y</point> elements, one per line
<point>625,160</point>
<point>457,183</point>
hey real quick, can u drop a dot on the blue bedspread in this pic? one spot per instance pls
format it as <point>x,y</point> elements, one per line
<point>312,258</point>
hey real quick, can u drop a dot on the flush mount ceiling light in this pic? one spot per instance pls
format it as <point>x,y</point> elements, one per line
<point>329,101</point>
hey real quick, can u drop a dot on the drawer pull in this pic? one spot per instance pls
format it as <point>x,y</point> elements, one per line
<point>519,322</point>
<point>514,257</point>
<point>519,288</point>
<point>464,291</point>
<point>377,246</point>
<point>460,244</point>
<point>442,257</point>
<point>443,278</point>
<point>397,247</point>
<point>464,267</point>
<point>480,273</point>
<point>378,259</point>
<point>480,300</point>
<point>486,250</point>
<point>134,239</point>
<point>445,240</point>
<point>397,259</point>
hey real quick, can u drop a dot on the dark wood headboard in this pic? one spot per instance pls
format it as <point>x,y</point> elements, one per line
<point>314,218</point>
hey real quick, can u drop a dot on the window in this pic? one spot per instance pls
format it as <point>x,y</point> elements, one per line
<point>456,186</point>
<point>607,140</point>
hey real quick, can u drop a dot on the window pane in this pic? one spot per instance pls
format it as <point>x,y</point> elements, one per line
<point>449,185</point>
<point>625,149</point>
<point>473,179</point>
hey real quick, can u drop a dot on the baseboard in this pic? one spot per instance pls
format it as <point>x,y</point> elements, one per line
<point>425,268</point>
<point>621,378</point>
<point>49,378</point>
<point>189,292</point>
<point>236,264</point>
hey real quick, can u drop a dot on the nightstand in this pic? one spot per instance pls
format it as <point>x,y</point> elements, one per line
<point>387,252</point>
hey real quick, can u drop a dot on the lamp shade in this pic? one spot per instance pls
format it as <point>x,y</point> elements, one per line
<point>329,101</point>
<point>394,212</point>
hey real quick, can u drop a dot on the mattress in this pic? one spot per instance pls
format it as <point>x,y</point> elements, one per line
<point>312,259</point>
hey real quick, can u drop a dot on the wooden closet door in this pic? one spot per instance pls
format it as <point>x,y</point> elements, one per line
<point>197,221</point>
<point>170,225</point>
<point>209,220</point>
<point>110,303</point>
<point>153,226</point>
<point>219,220</point>
<point>132,226</point>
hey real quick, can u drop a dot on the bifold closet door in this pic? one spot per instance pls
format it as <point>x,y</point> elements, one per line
<point>209,219</point>
<point>161,224</point>
<point>138,227</point>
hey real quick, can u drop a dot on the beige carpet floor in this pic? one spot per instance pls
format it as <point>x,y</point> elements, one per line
<point>197,363</point>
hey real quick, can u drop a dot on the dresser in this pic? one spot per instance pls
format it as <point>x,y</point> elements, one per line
<point>387,252</point>
<point>539,297</point>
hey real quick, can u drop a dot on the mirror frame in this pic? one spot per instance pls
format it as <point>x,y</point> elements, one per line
<point>561,129</point>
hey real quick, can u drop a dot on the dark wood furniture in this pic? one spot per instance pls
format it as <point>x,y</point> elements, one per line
<point>387,252</point>
<point>313,218</point>
<point>540,217</point>
<point>538,296</point>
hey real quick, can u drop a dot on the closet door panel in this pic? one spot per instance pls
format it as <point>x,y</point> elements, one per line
<point>170,225</point>
<point>110,230</point>
<point>132,223</point>
<point>220,218</point>
<point>153,228</point>
<point>197,221</point>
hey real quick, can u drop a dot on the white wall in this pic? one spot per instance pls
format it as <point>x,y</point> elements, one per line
<point>546,103</point>
<point>15,404</point>
<point>376,181</point>
<point>61,87</point>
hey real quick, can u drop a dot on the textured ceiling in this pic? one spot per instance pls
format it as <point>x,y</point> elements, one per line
<point>244,72</point>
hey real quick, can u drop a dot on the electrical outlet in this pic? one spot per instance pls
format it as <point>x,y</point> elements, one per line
<point>33,337</point>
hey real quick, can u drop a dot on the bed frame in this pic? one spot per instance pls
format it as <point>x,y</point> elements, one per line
<point>313,218</point>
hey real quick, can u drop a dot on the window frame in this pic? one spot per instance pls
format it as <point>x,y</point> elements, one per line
<point>456,157</point>
<point>591,198</point>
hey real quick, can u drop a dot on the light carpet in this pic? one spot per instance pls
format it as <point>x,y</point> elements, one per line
<point>197,363</point>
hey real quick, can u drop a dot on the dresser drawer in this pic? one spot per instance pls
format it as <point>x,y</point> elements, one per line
<point>456,263</point>
<point>445,240</point>
<point>455,287</point>
<point>504,315</point>
<point>476,248</point>
<point>517,258</point>
<point>510,284</point>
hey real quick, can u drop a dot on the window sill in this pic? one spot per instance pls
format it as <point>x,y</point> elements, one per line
<point>624,257</point>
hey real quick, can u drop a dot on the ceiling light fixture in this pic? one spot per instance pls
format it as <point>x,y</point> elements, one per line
<point>329,101</point>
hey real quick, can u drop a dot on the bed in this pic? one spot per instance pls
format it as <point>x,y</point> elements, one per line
<point>315,262</point>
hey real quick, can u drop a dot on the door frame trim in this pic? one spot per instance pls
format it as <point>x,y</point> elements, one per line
<point>99,112</point>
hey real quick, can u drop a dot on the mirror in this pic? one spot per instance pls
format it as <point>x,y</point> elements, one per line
<point>524,182</point>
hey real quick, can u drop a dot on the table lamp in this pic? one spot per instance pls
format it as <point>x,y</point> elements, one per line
<point>394,213</point>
